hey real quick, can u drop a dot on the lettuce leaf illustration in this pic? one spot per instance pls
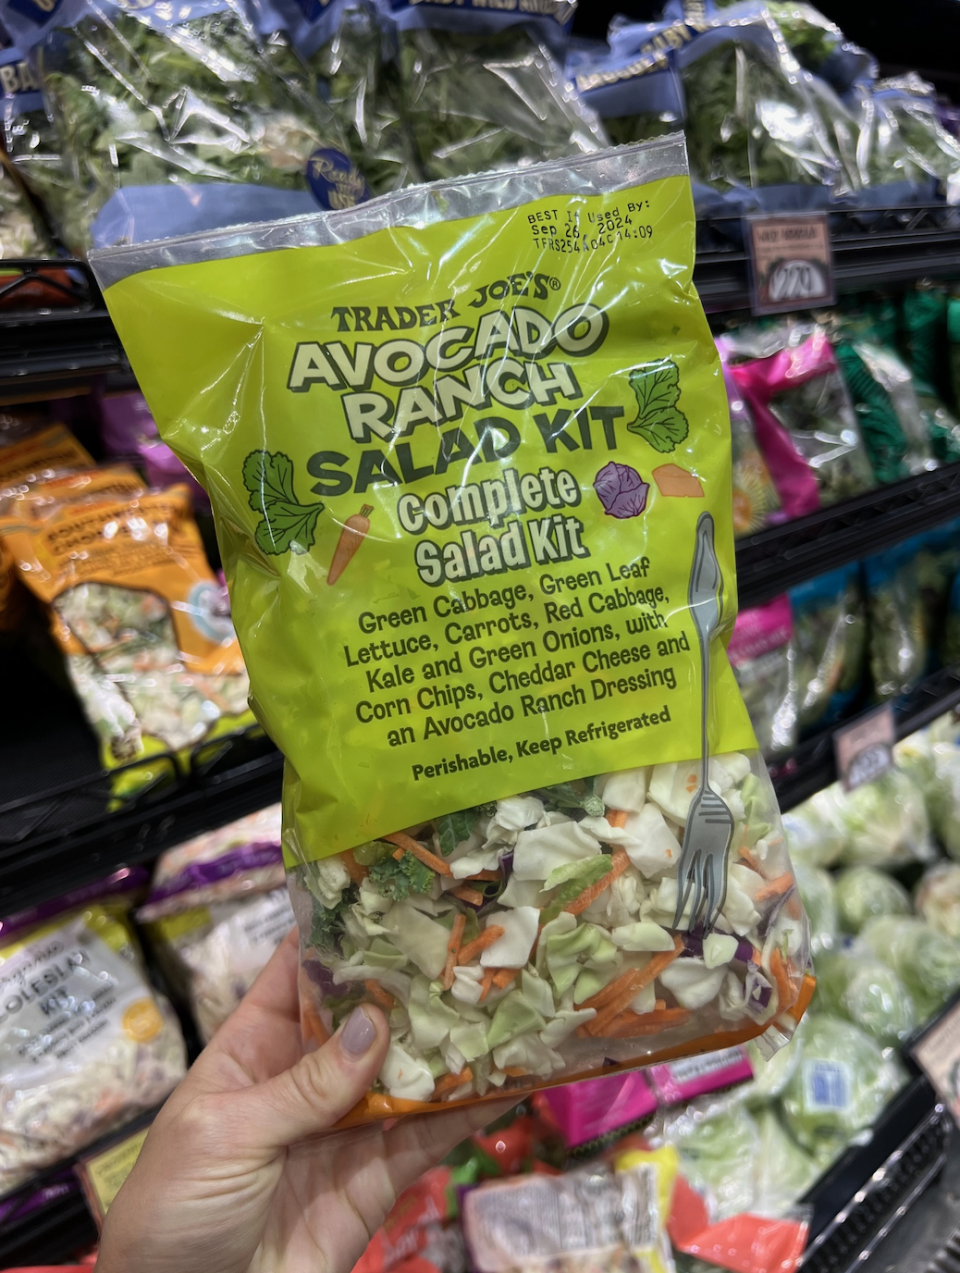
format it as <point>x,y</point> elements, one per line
<point>287,525</point>
<point>621,489</point>
<point>659,422</point>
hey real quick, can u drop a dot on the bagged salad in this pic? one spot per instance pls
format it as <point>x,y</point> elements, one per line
<point>763,659</point>
<point>481,88</point>
<point>493,746</point>
<point>830,638</point>
<point>217,910</point>
<point>902,139</point>
<point>136,611</point>
<point>166,122</point>
<point>897,630</point>
<point>85,1042</point>
<point>755,499</point>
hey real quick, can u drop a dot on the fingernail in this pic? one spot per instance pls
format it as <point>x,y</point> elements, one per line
<point>358,1034</point>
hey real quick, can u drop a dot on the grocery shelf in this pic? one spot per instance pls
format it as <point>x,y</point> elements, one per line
<point>51,1230</point>
<point>778,558</point>
<point>812,766</point>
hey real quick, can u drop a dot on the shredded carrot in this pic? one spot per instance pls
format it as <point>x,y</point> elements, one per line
<point>486,983</point>
<point>629,1025</point>
<point>774,888</point>
<point>451,1081</point>
<point>380,996</point>
<point>473,948</point>
<point>619,863</point>
<point>416,848</point>
<point>485,875</point>
<point>356,872</point>
<point>749,858</point>
<point>504,976</point>
<point>644,977</point>
<point>453,950</point>
<point>603,997</point>
<point>660,1005</point>
<point>515,1071</point>
<point>617,817</point>
<point>468,895</point>
<point>311,1023</point>
<point>782,977</point>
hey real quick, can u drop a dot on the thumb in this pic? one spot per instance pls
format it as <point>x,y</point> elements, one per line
<point>323,1085</point>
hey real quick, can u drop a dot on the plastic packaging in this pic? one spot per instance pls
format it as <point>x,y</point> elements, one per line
<point>843,1081</point>
<point>85,1043</point>
<point>799,391</point>
<point>938,899</point>
<point>762,656</point>
<point>814,834</point>
<point>902,138</point>
<point>864,892</point>
<point>166,123</point>
<point>21,234</point>
<point>820,902</point>
<point>216,913</point>
<point>515,934</point>
<point>138,615</point>
<point>853,984</point>
<point>830,641</point>
<point>481,89</point>
<point>883,823</point>
<point>927,963</point>
<point>755,498</point>
<point>897,637</point>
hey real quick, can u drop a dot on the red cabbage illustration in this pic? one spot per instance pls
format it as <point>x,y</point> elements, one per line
<point>622,491</point>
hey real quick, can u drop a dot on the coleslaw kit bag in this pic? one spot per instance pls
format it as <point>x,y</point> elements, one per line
<point>458,497</point>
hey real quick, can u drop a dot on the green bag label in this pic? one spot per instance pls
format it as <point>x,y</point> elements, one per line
<point>457,467</point>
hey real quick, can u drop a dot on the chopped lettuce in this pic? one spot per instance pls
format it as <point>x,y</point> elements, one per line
<point>864,892</point>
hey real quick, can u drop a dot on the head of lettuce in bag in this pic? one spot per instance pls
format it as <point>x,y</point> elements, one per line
<point>469,487</point>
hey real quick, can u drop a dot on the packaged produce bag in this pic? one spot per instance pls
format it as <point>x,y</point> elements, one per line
<point>136,611</point>
<point>460,498</point>
<point>764,662</point>
<point>902,142</point>
<point>755,499</point>
<point>897,640</point>
<point>85,1041</point>
<point>830,639</point>
<point>484,88</point>
<point>217,911</point>
<point>166,121</point>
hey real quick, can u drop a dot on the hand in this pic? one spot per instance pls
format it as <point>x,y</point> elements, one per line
<point>234,1176</point>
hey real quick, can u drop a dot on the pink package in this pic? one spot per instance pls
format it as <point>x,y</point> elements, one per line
<point>680,1081</point>
<point>595,1108</point>
<point>162,468</point>
<point>761,629</point>
<point>125,422</point>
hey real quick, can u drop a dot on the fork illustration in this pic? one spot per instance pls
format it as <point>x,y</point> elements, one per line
<point>709,830</point>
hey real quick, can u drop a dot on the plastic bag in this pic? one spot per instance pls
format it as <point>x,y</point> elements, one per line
<point>843,1081</point>
<point>819,901</point>
<point>755,498</point>
<point>216,913</point>
<point>169,123</point>
<point>85,1042</point>
<point>883,823</point>
<point>902,138</point>
<point>852,984</point>
<point>864,892</point>
<point>892,424</point>
<point>502,750</point>
<point>21,233</point>
<point>814,834</point>
<point>799,390</point>
<point>938,899</point>
<point>762,655</point>
<point>830,641</point>
<point>926,962</point>
<point>138,615</point>
<point>897,637</point>
<point>482,91</point>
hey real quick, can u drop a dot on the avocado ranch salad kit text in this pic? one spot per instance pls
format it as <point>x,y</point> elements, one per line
<point>469,454</point>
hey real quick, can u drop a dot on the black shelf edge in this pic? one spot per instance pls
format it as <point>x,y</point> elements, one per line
<point>778,558</point>
<point>812,766</point>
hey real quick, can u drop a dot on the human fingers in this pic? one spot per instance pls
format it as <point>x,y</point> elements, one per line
<point>416,1144</point>
<point>321,1087</point>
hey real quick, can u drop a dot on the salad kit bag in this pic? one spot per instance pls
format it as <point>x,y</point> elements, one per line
<point>467,481</point>
<point>830,638</point>
<point>165,123</point>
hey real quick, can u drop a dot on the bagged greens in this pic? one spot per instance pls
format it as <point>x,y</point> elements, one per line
<point>884,822</point>
<point>524,926</point>
<point>864,892</point>
<point>772,1074</point>
<point>853,984</point>
<point>761,654</point>
<point>166,124</point>
<point>829,639</point>
<point>926,962</point>
<point>754,494</point>
<point>897,630</point>
<point>901,137</point>
<point>938,899</point>
<point>482,90</point>
<point>843,1081</point>
<point>819,901</point>
<point>935,769</point>
<point>21,233</point>
<point>814,834</point>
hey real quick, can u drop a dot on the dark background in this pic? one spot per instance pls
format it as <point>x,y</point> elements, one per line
<point>918,35</point>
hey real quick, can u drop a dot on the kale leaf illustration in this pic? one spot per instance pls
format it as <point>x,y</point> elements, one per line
<point>287,525</point>
<point>659,422</point>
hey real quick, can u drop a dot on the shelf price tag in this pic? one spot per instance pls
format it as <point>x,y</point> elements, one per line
<point>103,1172</point>
<point>937,1052</point>
<point>864,748</point>
<point>791,261</point>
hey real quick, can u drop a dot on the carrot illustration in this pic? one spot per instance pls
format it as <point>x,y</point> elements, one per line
<point>355,530</point>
